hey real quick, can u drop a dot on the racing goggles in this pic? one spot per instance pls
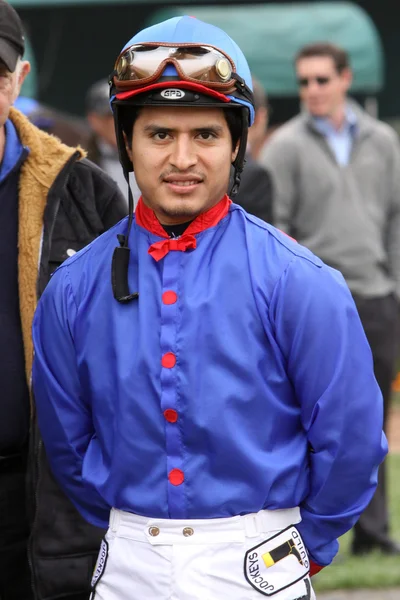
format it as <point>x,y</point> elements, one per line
<point>143,64</point>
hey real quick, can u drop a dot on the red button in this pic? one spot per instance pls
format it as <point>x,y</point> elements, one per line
<point>168,360</point>
<point>171,415</point>
<point>169,297</point>
<point>176,477</point>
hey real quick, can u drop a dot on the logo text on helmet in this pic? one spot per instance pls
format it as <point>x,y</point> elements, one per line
<point>173,94</point>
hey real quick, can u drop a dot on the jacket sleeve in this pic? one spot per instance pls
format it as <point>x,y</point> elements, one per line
<point>64,415</point>
<point>279,159</point>
<point>329,363</point>
<point>393,234</point>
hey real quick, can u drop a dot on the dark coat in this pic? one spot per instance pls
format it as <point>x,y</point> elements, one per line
<point>255,192</point>
<point>65,202</point>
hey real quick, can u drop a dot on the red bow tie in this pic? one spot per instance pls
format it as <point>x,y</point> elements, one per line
<point>183,243</point>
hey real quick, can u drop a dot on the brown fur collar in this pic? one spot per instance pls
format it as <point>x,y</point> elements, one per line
<point>47,156</point>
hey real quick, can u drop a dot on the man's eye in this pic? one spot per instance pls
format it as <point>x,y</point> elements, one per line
<point>160,135</point>
<point>207,135</point>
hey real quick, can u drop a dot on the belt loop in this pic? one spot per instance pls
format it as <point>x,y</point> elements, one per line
<point>114,520</point>
<point>251,525</point>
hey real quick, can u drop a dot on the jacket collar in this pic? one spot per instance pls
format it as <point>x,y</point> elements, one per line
<point>14,151</point>
<point>364,120</point>
<point>46,160</point>
<point>47,154</point>
<point>325,126</point>
<point>146,218</point>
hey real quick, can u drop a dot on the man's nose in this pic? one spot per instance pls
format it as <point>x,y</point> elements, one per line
<point>183,155</point>
<point>313,86</point>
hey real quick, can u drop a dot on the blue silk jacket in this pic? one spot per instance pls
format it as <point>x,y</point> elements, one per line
<point>240,379</point>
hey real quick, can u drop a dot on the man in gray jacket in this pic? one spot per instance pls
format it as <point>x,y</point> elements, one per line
<point>336,177</point>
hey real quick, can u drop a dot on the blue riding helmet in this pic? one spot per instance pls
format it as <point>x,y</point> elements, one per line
<point>179,62</point>
<point>185,33</point>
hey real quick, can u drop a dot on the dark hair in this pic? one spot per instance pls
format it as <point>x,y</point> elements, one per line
<point>129,113</point>
<point>233,117</point>
<point>339,56</point>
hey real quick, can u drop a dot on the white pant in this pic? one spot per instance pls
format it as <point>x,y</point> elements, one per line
<point>239,558</point>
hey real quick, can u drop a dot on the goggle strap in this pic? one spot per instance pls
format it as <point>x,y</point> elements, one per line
<point>111,77</point>
<point>243,88</point>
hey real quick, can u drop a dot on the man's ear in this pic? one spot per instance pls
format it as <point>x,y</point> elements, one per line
<point>127,146</point>
<point>347,78</point>
<point>235,152</point>
<point>24,68</point>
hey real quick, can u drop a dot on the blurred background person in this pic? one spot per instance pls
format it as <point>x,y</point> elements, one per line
<point>102,144</point>
<point>255,192</point>
<point>71,130</point>
<point>336,177</point>
<point>259,130</point>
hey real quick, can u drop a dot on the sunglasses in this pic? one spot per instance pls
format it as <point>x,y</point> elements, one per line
<point>305,81</point>
<point>142,64</point>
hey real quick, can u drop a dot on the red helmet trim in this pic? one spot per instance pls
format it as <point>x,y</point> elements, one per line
<point>186,85</point>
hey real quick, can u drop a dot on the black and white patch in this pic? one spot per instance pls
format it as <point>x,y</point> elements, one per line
<point>100,564</point>
<point>173,94</point>
<point>308,591</point>
<point>278,563</point>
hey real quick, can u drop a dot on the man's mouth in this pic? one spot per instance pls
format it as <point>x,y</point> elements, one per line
<point>183,183</point>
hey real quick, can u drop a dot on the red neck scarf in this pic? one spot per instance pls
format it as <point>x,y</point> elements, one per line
<point>146,218</point>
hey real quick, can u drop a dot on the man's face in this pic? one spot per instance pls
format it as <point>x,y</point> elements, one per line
<point>182,159</point>
<point>10,85</point>
<point>322,89</point>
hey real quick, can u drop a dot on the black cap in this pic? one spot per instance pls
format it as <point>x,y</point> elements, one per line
<point>98,98</point>
<point>12,41</point>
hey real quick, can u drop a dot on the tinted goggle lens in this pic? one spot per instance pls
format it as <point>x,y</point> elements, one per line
<point>141,63</point>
